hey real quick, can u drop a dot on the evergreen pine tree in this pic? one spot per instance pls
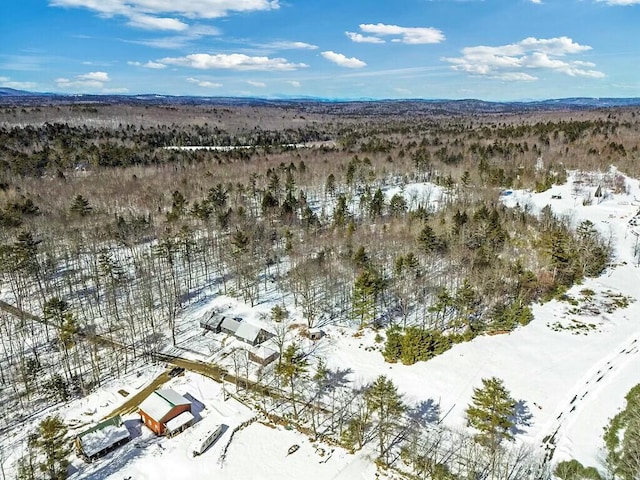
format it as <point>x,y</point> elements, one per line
<point>55,449</point>
<point>393,345</point>
<point>491,411</point>
<point>366,290</point>
<point>80,206</point>
<point>397,205</point>
<point>376,204</point>
<point>340,212</point>
<point>330,185</point>
<point>385,403</point>
<point>294,364</point>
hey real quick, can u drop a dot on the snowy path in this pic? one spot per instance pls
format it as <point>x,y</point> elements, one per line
<point>589,386</point>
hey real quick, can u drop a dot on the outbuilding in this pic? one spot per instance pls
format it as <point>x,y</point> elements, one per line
<point>315,334</point>
<point>179,424</point>
<point>159,408</point>
<point>263,355</point>
<point>102,438</point>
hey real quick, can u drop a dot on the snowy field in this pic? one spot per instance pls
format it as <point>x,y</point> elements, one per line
<point>570,369</point>
<point>571,380</point>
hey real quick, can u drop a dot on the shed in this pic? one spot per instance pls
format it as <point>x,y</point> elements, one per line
<point>251,333</point>
<point>102,438</point>
<point>315,333</point>
<point>263,355</point>
<point>211,321</point>
<point>160,407</point>
<point>230,325</point>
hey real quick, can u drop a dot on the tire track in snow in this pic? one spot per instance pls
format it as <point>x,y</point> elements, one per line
<point>565,415</point>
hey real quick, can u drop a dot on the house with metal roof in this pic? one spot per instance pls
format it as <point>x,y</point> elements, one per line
<point>211,321</point>
<point>251,333</point>
<point>102,438</point>
<point>161,407</point>
<point>230,325</point>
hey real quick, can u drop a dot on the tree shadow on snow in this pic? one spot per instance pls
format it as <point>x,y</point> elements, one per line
<point>521,417</point>
<point>338,377</point>
<point>422,414</point>
<point>425,412</point>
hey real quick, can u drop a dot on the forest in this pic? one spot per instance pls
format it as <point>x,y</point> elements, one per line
<point>109,234</point>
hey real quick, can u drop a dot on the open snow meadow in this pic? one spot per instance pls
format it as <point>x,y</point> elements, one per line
<point>568,369</point>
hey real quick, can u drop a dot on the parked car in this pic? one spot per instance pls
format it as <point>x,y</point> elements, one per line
<point>175,371</point>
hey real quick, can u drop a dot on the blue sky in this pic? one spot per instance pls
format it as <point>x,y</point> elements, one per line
<point>487,49</point>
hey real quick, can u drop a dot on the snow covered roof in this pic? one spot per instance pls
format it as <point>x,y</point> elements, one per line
<point>161,402</point>
<point>180,421</point>
<point>248,331</point>
<point>103,436</point>
<point>212,319</point>
<point>173,397</point>
<point>263,353</point>
<point>231,324</point>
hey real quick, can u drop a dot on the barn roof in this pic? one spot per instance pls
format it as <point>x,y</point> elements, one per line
<point>173,397</point>
<point>103,435</point>
<point>248,331</point>
<point>161,402</point>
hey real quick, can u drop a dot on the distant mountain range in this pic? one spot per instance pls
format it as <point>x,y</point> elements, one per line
<point>13,97</point>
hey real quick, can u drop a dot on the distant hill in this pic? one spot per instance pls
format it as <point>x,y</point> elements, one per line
<point>12,92</point>
<point>416,106</point>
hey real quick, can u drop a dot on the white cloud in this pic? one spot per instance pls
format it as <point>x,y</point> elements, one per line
<point>342,60</point>
<point>290,46</point>
<point>408,35</point>
<point>67,84</point>
<point>623,3</point>
<point>183,40</point>
<point>204,83</point>
<point>94,76</point>
<point>515,77</point>
<point>176,42</point>
<point>233,61</point>
<point>256,84</point>
<point>88,82</point>
<point>359,38</point>
<point>506,62</point>
<point>150,64</point>
<point>152,14</point>
<point>538,2</point>
<point>294,83</point>
<point>157,23</point>
<point>554,46</point>
<point>403,91</point>
<point>6,82</point>
<point>154,65</point>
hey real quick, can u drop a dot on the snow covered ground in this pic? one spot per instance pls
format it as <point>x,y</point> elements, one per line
<point>571,369</point>
<point>256,452</point>
<point>572,381</point>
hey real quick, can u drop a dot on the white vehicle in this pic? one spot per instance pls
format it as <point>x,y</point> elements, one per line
<point>208,439</point>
